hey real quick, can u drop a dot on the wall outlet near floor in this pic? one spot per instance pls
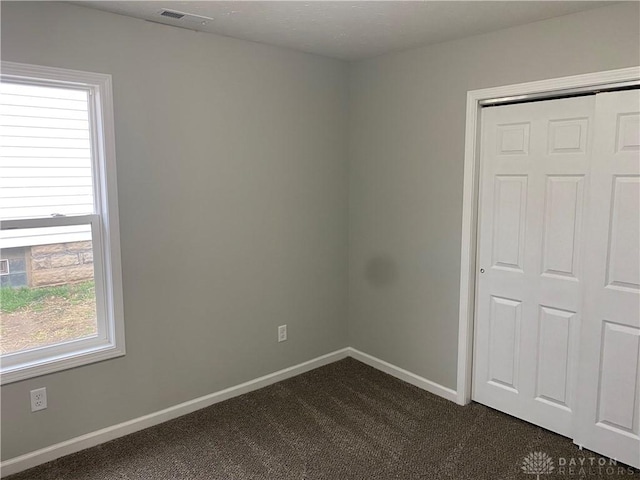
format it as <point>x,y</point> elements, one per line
<point>282,333</point>
<point>38,399</point>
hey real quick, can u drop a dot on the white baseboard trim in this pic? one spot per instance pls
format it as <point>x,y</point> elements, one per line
<point>405,375</point>
<point>47,454</point>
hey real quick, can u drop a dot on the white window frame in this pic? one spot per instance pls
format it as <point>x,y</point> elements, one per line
<point>109,341</point>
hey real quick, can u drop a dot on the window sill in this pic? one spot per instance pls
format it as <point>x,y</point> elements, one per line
<point>56,363</point>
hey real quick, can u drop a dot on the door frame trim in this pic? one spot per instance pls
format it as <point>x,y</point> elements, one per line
<point>470,197</point>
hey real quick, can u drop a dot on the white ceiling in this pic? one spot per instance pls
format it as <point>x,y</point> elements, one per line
<point>346,29</point>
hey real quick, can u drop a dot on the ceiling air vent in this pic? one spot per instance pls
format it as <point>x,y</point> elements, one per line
<point>183,19</point>
<point>172,14</point>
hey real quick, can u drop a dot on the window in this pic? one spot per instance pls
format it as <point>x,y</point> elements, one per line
<point>61,291</point>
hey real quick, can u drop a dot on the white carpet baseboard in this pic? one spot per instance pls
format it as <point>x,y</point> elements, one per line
<point>47,454</point>
<point>404,375</point>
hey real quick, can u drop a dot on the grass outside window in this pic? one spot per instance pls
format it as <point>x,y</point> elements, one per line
<point>36,317</point>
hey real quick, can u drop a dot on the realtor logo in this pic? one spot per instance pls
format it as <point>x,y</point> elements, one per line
<point>537,463</point>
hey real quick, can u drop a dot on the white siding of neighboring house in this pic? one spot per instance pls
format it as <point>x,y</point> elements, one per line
<point>45,161</point>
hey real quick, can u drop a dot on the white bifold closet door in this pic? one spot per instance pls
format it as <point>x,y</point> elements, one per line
<point>556,325</point>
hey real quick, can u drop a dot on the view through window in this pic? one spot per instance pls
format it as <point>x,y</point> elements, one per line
<point>48,289</point>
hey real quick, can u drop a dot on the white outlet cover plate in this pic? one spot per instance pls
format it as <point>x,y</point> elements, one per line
<point>282,333</point>
<point>38,399</point>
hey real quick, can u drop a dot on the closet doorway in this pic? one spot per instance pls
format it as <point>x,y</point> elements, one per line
<point>556,310</point>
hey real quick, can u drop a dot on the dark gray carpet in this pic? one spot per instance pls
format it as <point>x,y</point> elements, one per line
<point>343,421</point>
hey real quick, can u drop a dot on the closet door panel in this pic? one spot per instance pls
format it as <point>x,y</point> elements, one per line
<point>608,415</point>
<point>534,169</point>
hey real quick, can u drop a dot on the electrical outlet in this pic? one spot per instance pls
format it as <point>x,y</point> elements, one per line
<point>282,333</point>
<point>38,399</point>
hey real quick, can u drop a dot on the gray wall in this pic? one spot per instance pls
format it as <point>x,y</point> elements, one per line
<point>232,178</point>
<point>407,118</point>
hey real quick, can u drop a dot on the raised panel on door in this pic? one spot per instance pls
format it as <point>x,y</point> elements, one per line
<point>513,138</point>
<point>623,263</point>
<point>504,338</point>
<point>534,162</point>
<point>568,135</point>
<point>562,225</point>
<point>628,132</point>
<point>617,387</point>
<point>510,206</point>
<point>608,413</point>
<point>555,356</point>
